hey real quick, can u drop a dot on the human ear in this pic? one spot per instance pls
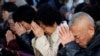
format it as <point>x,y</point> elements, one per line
<point>91,30</point>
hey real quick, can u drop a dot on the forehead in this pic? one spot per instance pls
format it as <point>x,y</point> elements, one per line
<point>24,23</point>
<point>77,28</point>
<point>74,28</point>
<point>44,26</point>
<point>41,24</point>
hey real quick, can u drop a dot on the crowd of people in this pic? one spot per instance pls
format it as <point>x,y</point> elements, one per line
<point>49,28</point>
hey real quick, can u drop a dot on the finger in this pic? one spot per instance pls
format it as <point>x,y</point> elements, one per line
<point>36,26</point>
<point>14,37</point>
<point>61,38</point>
<point>21,26</point>
<point>33,26</point>
<point>60,35</point>
<point>8,32</point>
<point>34,30</point>
<point>6,35</point>
<point>17,25</point>
<point>32,23</point>
<point>66,28</point>
<point>63,29</point>
<point>60,32</point>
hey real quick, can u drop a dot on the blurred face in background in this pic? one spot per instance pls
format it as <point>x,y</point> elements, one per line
<point>1,2</point>
<point>87,1</point>
<point>63,1</point>
<point>13,1</point>
<point>5,15</point>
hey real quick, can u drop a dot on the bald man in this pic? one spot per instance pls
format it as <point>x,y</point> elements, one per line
<point>80,39</point>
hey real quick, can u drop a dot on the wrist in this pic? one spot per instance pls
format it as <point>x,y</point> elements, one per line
<point>64,43</point>
<point>19,34</point>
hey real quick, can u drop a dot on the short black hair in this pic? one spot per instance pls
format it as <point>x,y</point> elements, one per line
<point>93,11</point>
<point>10,7</point>
<point>47,15</point>
<point>79,7</point>
<point>24,13</point>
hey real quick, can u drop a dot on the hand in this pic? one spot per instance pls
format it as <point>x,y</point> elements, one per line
<point>37,30</point>
<point>65,35</point>
<point>19,29</point>
<point>9,36</point>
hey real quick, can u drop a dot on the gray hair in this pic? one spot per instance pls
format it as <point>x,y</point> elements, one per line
<point>77,17</point>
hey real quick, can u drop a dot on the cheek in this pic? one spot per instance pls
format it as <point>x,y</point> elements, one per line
<point>84,40</point>
<point>5,14</point>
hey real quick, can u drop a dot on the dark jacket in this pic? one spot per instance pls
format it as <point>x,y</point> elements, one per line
<point>73,49</point>
<point>4,26</point>
<point>24,42</point>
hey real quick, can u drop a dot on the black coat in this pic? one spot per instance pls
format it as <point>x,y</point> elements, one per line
<point>24,42</point>
<point>73,49</point>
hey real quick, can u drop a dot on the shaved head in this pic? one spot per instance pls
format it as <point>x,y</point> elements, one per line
<point>81,17</point>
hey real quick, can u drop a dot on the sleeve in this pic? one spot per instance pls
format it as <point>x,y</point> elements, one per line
<point>24,42</point>
<point>97,52</point>
<point>43,46</point>
<point>72,49</point>
<point>25,37</point>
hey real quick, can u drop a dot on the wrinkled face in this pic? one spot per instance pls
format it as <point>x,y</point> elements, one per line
<point>26,25</point>
<point>48,29</point>
<point>81,34</point>
<point>5,15</point>
<point>1,2</point>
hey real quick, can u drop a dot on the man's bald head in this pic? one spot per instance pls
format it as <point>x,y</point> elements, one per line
<point>82,26</point>
<point>80,18</point>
